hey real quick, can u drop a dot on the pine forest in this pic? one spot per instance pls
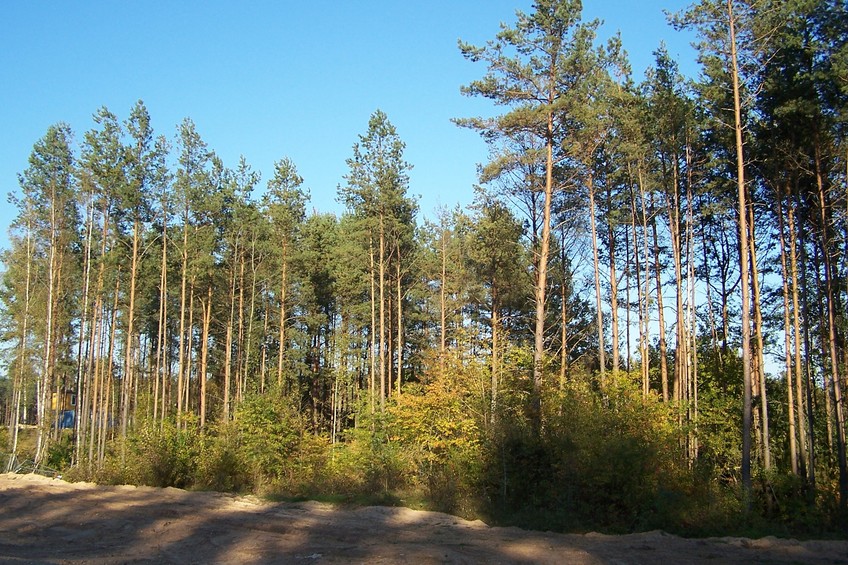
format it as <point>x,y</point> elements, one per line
<point>641,321</point>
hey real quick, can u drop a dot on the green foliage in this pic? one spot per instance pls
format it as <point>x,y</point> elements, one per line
<point>160,456</point>
<point>59,452</point>
<point>269,430</point>
<point>602,461</point>
<point>222,465</point>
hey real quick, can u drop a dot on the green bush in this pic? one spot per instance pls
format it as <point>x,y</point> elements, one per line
<point>221,465</point>
<point>157,455</point>
<point>270,432</point>
<point>60,452</point>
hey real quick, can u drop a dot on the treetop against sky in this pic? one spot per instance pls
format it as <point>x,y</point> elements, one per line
<point>273,79</point>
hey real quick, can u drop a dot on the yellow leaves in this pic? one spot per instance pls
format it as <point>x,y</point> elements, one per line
<point>433,420</point>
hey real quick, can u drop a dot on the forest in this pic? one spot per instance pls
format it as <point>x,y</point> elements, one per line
<point>639,323</point>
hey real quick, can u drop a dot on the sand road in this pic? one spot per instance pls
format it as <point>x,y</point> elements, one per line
<point>50,521</point>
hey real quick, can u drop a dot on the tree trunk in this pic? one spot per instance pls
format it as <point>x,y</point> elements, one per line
<point>743,264</point>
<point>644,310</point>
<point>19,383</point>
<point>45,380</point>
<point>835,381</point>
<point>399,345</point>
<point>82,378</point>
<point>787,335</point>
<point>806,446</point>
<point>204,353</point>
<point>495,345</point>
<point>596,264</point>
<point>181,367</point>
<point>382,290</point>
<point>613,288</point>
<point>129,367</point>
<point>228,341</point>
<point>372,377</point>
<point>162,372</point>
<point>660,308</point>
<point>283,291</point>
<point>758,324</point>
<point>542,271</point>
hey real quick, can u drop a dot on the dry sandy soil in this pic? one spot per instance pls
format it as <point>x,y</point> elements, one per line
<point>50,521</point>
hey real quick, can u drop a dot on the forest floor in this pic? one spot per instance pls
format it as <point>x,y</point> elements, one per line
<point>46,520</point>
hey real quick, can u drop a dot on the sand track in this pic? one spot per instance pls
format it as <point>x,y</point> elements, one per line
<point>50,521</point>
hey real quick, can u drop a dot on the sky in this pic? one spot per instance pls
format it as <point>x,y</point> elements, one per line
<point>273,79</point>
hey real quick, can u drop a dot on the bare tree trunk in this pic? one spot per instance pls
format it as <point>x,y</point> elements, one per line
<point>107,377</point>
<point>399,325</point>
<point>186,392</point>
<point>644,311</point>
<point>563,315</point>
<point>228,343</point>
<point>495,362</point>
<point>45,381</point>
<point>129,352</point>
<point>97,340</point>
<point>162,335</point>
<point>264,357</point>
<point>382,290</point>
<point>596,263</point>
<point>692,325</point>
<point>82,378</point>
<point>680,351</point>
<point>372,378</point>
<point>806,446</point>
<point>542,270</point>
<point>443,303</point>
<point>240,341</point>
<point>660,309</point>
<point>248,348</point>
<point>181,368</point>
<point>758,324</point>
<point>743,264</point>
<point>204,353</point>
<point>283,297</point>
<point>616,361</point>
<point>835,381</point>
<point>787,334</point>
<point>19,382</point>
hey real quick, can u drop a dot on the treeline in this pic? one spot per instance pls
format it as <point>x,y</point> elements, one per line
<point>590,339</point>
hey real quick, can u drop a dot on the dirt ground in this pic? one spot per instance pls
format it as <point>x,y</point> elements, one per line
<point>50,521</point>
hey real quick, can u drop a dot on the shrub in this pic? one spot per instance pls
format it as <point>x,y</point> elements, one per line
<point>163,455</point>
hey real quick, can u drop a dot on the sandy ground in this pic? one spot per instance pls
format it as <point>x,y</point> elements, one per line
<point>50,521</point>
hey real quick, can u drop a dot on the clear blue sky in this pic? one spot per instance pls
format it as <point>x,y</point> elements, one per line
<point>268,79</point>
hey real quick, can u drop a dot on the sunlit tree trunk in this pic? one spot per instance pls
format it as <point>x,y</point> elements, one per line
<point>228,339</point>
<point>399,323</point>
<point>381,266</point>
<point>743,263</point>
<point>206,306</point>
<point>45,381</point>
<point>162,373</point>
<point>787,339</point>
<point>128,382</point>
<point>281,354</point>
<point>596,263</point>
<point>82,377</point>
<point>20,375</point>
<point>616,361</point>
<point>835,381</point>
<point>660,308</point>
<point>184,343</point>
<point>644,311</point>
<point>372,375</point>
<point>806,450</point>
<point>760,359</point>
